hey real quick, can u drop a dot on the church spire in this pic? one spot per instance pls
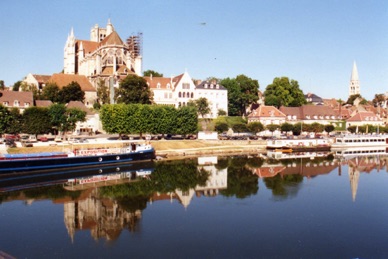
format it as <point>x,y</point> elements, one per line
<point>354,86</point>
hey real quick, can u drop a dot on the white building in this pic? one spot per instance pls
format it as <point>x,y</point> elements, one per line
<point>179,90</point>
<point>354,85</point>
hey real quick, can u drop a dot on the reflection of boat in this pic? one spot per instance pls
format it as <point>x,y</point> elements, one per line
<point>291,155</point>
<point>300,144</point>
<point>284,150</point>
<point>361,151</point>
<point>79,157</point>
<point>37,178</point>
<point>348,141</point>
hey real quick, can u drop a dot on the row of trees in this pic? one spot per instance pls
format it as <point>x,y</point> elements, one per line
<point>256,127</point>
<point>154,119</point>
<point>40,120</point>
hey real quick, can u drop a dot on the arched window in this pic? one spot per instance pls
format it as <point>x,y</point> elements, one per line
<point>192,95</point>
<point>179,94</point>
<point>184,95</point>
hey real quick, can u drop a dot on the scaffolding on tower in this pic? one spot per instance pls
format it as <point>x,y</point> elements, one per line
<point>135,43</point>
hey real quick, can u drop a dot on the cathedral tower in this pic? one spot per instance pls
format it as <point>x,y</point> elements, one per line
<point>354,86</point>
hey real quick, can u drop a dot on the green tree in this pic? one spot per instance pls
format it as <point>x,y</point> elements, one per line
<point>255,127</point>
<point>134,89</point>
<point>221,112</point>
<point>15,125</point>
<point>283,92</point>
<point>102,93</point>
<point>65,119</point>
<point>378,100</point>
<point>16,86</point>
<point>353,97</point>
<point>242,92</point>
<point>5,119</point>
<point>240,127</point>
<point>2,85</point>
<point>71,92</point>
<point>317,127</point>
<point>50,92</point>
<point>153,73</point>
<point>272,127</point>
<point>286,127</point>
<point>36,120</point>
<point>221,127</point>
<point>329,128</point>
<point>202,105</point>
<point>186,120</point>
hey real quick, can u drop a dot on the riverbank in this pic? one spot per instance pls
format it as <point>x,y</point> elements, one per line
<point>163,148</point>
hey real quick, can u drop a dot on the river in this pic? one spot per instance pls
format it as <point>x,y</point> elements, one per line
<point>205,207</point>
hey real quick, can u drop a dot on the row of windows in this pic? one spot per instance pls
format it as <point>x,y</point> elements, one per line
<point>16,103</point>
<point>186,95</point>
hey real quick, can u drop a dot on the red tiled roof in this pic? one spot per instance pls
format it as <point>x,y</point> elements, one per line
<point>112,39</point>
<point>22,97</point>
<point>88,46</point>
<point>43,103</point>
<point>163,81</point>
<point>364,117</point>
<point>42,79</point>
<point>308,110</point>
<point>65,79</point>
<point>266,111</point>
<point>79,105</point>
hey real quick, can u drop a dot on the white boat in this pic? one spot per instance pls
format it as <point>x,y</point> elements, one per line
<point>300,144</point>
<point>348,141</point>
<point>361,151</point>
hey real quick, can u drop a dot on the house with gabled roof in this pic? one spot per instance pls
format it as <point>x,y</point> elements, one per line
<point>177,91</point>
<point>310,114</point>
<point>363,118</point>
<point>92,123</point>
<point>65,79</point>
<point>13,99</point>
<point>39,81</point>
<point>313,99</point>
<point>43,103</point>
<point>267,115</point>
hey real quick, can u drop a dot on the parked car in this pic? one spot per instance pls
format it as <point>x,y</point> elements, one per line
<point>43,139</point>
<point>58,139</point>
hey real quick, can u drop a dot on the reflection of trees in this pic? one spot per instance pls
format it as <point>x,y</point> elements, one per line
<point>283,185</point>
<point>241,182</point>
<point>255,162</point>
<point>222,163</point>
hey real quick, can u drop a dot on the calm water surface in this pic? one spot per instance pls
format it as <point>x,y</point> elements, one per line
<point>235,207</point>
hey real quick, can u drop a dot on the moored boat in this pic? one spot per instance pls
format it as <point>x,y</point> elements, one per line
<point>300,144</point>
<point>353,140</point>
<point>78,157</point>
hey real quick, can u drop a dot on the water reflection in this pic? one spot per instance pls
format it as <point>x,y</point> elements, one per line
<point>108,200</point>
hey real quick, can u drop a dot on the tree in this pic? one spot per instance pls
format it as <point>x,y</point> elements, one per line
<point>71,92</point>
<point>202,105</point>
<point>2,85</point>
<point>221,112</point>
<point>134,89</point>
<point>272,127</point>
<point>286,127</point>
<point>36,120</point>
<point>240,127</point>
<point>16,122</point>
<point>65,119</point>
<point>255,127</point>
<point>353,97</point>
<point>16,86</point>
<point>329,128</point>
<point>152,73</point>
<point>5,119</point>
<point>50,92</point>
<point>221,127</point>
<point>378,100</point>
<point>242,92</point>
<point>283,92</point>
<point>102,93</point>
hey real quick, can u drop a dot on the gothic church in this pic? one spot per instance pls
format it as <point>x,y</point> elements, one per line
<point>104,56</point>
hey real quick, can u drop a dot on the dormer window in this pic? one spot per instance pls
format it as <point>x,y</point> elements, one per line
<point>158,86</point>
<point>217,86</point>
<point>168,86</point>
<point>26,104</point>
<point>16,103</point>
<point>5,103</point>
<point>205,85</point>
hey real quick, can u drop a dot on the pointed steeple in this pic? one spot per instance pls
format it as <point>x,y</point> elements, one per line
<point>354,85</point>
<point>109,28</point>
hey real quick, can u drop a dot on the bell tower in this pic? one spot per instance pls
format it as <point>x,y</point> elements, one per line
<point>354,86</point>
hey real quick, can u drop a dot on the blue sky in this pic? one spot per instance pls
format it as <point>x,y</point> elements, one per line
<point>313,42</point>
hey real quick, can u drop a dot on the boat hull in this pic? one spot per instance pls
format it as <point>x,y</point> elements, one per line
<point>15,165</point>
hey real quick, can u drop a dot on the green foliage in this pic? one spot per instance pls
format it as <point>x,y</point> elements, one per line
<point>153,73</point>
<point>283,92</point>
<point>65,119</point>
<point>102,93</point>
<point>255,127</point>
<point>221,112</point>
<point>202,105</point>
<point>134,89</point>
<point>16,123</point>
<point>286,127</point>
<point>2,85</point>
<point>378,100</point>
<point>240,127</point>
<point>284,185</point>
<point>5,119</point>
<point>272,127</point>
<point>16,86</point>
<point>242,92</point>
<point>50,92</point>
<point>329,128</point>
<point>36,120</point>
<point>138,118</point>
<point>71,92</point>
<point>317,127</point>
<point>297,129</point>
<point>221,127</point>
